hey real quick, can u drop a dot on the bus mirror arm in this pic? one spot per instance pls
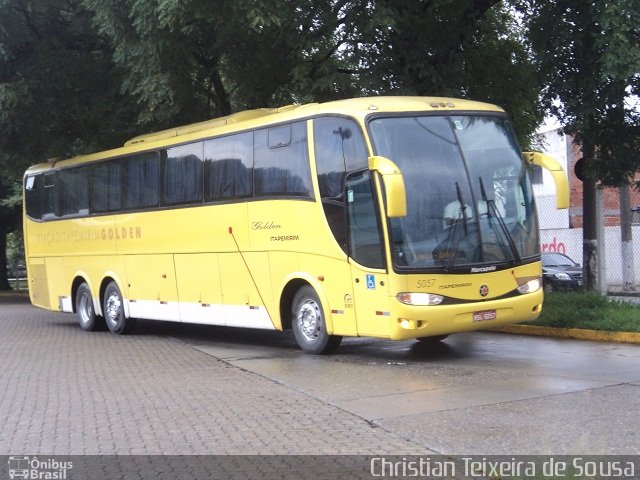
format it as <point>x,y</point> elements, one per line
<point>395,193</point>
<point>559,175</point>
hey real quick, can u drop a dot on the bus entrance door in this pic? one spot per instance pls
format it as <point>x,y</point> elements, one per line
<point>370,285</point>
<point>370,300</point>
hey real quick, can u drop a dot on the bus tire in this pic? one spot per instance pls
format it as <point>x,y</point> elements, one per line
<point>113,310</point>
<point>309,325</point>
<point>87,318</point>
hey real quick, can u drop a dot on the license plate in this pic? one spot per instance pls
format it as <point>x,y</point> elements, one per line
<point>484,315</point>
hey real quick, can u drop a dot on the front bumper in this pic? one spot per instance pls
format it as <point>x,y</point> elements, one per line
<point>408,321</point>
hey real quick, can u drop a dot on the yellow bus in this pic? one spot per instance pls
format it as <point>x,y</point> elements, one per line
<point>390,217</point>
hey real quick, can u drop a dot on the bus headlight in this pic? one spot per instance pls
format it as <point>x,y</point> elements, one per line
<point>530,286</point>
<point>409,298</point>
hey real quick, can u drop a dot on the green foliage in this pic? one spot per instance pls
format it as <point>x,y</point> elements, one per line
<point>59,92</point>
<point>470,49</point>
<point>193,59</point>
<point>588,310</point>
<point>185,60</point>
<point>15,249</point>
<point>589,55</point>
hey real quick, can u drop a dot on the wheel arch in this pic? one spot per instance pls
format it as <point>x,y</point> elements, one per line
<point>291,285</point>
<point>78,280</point>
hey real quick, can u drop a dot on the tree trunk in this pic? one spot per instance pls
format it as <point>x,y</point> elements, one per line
<point>589,224</point>
<point>4,281</point>
<point>626,234</point>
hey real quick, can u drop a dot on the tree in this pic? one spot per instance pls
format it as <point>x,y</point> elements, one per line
<point>589,54</point>
<point>458,48</point>
<point>9,221</point>
<point>59,95</point>
<point>185,60</point>
<point>60,90</point>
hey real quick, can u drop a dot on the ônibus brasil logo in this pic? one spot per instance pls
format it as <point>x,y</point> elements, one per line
<point>34,468</point>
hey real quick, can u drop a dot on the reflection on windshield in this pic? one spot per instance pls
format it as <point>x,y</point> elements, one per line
<point>469,200</point>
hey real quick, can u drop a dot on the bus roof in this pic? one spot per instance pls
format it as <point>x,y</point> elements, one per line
<point>355,107</point>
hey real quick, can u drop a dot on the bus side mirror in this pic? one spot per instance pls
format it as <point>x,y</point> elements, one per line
<point>395,193</point>
<point>559,176</point>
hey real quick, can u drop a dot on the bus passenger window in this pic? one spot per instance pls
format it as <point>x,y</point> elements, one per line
<point>228,170</point>
<point>33,187</point>
<point>74,191</point>
<point>105,186</point>
<point>182,174</point>
<point>50,208</point>
<point>142,180</point>
<point>281,168</point>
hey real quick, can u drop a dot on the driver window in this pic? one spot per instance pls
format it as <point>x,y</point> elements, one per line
<point>339,148</point>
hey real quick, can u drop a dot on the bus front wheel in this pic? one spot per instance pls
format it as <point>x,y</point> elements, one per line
<point>308,323</point>
<point>113,310</point>
<point>87,318</point>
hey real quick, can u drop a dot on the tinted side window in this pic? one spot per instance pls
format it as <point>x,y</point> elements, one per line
<point>365,234</point>
<point>33,187</point>
<point>182,174</point>
<point>339,147</point>
<point>73,186</point>
<point>229,167</point>
<point>142,180</point>
<point>49,197</point>
<point>105,187</point>
<point>281,161</point>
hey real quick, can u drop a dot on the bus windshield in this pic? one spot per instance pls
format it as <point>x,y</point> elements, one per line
<point>469,200</point>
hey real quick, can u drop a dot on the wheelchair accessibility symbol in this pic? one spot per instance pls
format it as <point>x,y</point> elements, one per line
<point>371,282</point>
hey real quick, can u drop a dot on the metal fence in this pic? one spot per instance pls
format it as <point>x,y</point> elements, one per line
<point>618,260</point>
<point>17,276</point>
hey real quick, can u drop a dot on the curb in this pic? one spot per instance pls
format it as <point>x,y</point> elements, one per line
<point>575,333</point>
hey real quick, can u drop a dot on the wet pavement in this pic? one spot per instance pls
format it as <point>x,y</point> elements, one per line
<point>478,393</point>
<point>190,389</point>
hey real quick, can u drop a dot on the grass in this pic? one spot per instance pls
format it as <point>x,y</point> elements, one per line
<point>588,310</point>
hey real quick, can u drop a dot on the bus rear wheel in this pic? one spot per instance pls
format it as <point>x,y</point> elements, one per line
<point>87,318</point>
<point>113,310</point>
<point>309,325</point>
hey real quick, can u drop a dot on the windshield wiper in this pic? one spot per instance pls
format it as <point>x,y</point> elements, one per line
<point>463,208</point>
<point>457,238</point>
<point>491,207</point>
